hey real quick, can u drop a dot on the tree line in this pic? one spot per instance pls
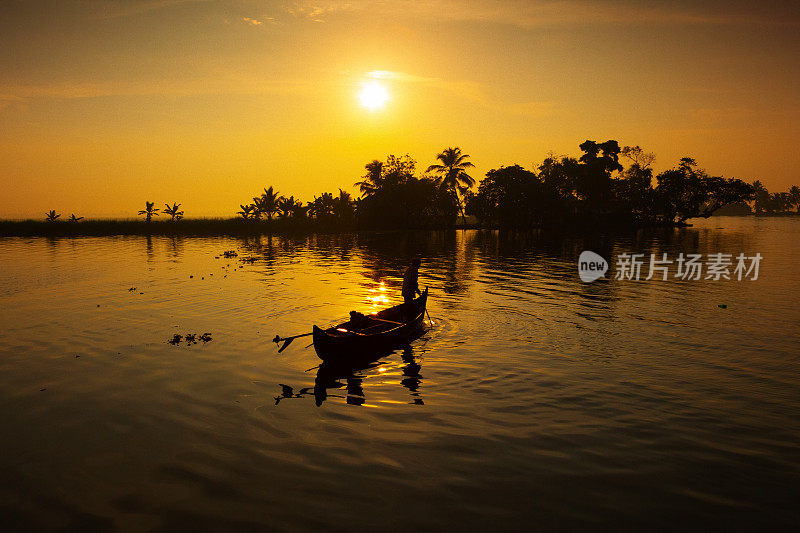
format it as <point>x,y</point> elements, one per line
<point>598,189</point>
<point>777,203</point>
<point>391,196</point>
<point>607,185</point>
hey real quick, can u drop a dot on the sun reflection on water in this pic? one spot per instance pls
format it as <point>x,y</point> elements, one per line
<point>378,297</point>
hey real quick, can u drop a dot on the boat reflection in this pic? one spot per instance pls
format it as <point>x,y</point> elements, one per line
<point>411,376</point>
<point>347,381</point>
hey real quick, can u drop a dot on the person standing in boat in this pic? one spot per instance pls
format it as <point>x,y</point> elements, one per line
<point>411,280</point>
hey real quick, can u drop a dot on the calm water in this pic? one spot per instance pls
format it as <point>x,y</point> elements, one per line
<point>535,401</point>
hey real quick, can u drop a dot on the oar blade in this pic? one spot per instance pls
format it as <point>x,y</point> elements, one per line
<point>286,343</point>
<point>288,340</point>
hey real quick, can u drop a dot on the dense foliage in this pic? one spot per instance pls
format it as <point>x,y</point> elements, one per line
<point>392,196</point>
<point>597,189</point>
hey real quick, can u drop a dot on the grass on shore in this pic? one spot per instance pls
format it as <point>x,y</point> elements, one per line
<point>196,226</point>
<point>191,226</point>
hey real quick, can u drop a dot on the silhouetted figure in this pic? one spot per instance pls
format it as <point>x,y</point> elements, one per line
<point>411,280</point>
<point>359,320</point>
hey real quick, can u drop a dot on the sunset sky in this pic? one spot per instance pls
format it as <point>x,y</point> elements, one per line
<point>107,103</point>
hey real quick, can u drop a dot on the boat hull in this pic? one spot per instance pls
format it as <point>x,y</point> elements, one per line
<point>397,325</point>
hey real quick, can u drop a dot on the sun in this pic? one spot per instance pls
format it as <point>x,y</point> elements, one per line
<point>373,95</point>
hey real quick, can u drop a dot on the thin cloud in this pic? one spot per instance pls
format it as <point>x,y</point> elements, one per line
<point>381,74</point>
<point>468,90</point>
<point>217,84</point>
<point>530,14</point>
<point>258,22</point>
<point>319,11</point>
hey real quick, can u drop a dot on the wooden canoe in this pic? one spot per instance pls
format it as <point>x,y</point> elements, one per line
<point>372,335</point>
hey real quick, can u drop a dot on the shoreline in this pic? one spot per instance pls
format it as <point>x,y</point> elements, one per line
<point>233,227</point>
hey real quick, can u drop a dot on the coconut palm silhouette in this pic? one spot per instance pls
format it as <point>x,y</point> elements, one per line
<point>372,180</point>
<point>73,218</point>
<point>452,175</point>
<point>247,212</point>
<point>267,203</point>
<point>761,197</point>
<point>149,212</point>
<point>51,215</point>
<point>343,206</point>
<point>322,206</point>
<point>299,210</point>
<point>288,206</point>
<point>794,196</point>
<point>173,211</point>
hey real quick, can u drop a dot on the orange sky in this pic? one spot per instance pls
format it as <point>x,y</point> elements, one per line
<point>106,103</point>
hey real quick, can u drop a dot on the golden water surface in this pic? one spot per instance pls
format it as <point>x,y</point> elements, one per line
<point>535,399</point>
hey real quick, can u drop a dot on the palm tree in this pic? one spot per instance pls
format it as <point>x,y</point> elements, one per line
<point>299,211</point>
<point>73,218</point>
<point>51,215</point>
<point>452,175</point>
<point>267,203</point>
<point>343,206</point>
<point>372,180</point>
<point>794,196</point>
<point>148,211</point>
<point>780,202</point>
<point>173,211</point>
<point>247,212</point>
<point>761,203</point>
<point>258,207</point>
<point>322,206</point>
<point>287,206</point>
<point>311,208</point>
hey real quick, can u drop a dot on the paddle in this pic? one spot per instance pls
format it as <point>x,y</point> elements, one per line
<point>288,340</point>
